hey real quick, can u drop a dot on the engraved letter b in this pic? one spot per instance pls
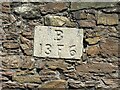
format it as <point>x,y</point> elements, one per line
<point>59,34</point>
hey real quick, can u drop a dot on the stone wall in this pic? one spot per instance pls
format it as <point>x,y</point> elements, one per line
<point>98,67</point>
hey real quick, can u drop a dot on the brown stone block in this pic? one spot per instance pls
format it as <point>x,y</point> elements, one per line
<point>107,19</point>
<point>53,7</point>
<point>12,61</point>
<point>10,45</point>
<point>93,50</point>
<point>96,68</point>
<point>6,4</point>
<point>110,48</point>
<point>27,79</point>
<point>27,63</point>
<point>83,15</point>
<point>26,50</point>
<point>28,35</point>
<point>87,23</point>
<point>26,41</point>
<point>51,20</point>
<point>6,9</point>
<point>54,84</point>
<point>93,40</point>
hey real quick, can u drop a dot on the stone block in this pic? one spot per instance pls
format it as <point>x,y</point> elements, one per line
<point>10,45</point>
<point>57,65</point>
<point>96,68</point>
<point>6,7</point>
<point>92,50</point>
<point>58,42</point>
<point>27,79</point>
<point>110,48</point>
<point>107,19</point>
<point>112,10</point>
<point>83,15</point>
<point>93,40</point>
<point>27,11</point>
<point>54,84</point>
<point>53,7</point>
<point>27,63</point>
<point>12,61</point>
<point>87,23</point>
<point>83,5</point>
<point>51,20</point>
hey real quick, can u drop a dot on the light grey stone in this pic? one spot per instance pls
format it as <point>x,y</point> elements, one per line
<point>58,42</point>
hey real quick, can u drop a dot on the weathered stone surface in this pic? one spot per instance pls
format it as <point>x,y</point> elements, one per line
<point>71,75</point>
<point>109,48</point>
<point>93,50</point>
<point>27,63</point>
<point>24,8</point>
<point>57,65</point>
<point>75,84</point>
<point>48,78</point>
<point>56,42</point>
<point>5,4</point>
<point>28,52</point>
<point>87,23</point>
<point>2,79</point>
<point>12,61</point>
<point>111,82</point>
<point>54,84</point>
<point>12,18</point>
<point>99,33</point>
<point>26,49</point>
<point>26,41</point>
<point>11,85</point>
<point>5,8</point>
<point>83,15</point>
<point>28,35</point>
<point>25,72</point>
<point>47,75</point>
<point>27,79</point>
<point>96,68</point>
<point>39,64</point>
<point>11,37</point>
<point>31,85</point>
<point>4,17</point>
<point>51,20</point>
<point>93,40</point>
<point>10,45</point>
<point>47,72</point>
<point>91,83</point>
<point>112,10</point>
<point>108,81</point>
<point>7,73</point>
<point>24,46</point>
<point>80,15</point>
<point>91,17</point>
<point>27,11</point>
<point>1,36</point>
<point>107,19</point>
<point>53,7</point>
<point>83,5</point>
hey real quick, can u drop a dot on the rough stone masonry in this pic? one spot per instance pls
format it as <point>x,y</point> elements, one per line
<point>59,45</point>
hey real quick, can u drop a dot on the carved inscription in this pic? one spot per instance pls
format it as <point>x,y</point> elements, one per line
<point>48,49</point>
<point>59,34</point>
<point>56,42</point>
<point>72,50</point>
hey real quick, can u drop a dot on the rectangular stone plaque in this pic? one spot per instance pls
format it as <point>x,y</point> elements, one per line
<point>58,42</point>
